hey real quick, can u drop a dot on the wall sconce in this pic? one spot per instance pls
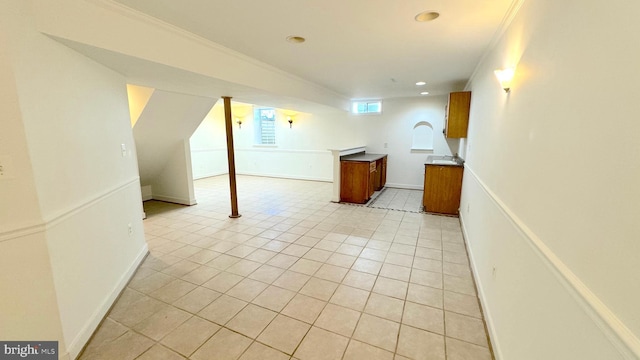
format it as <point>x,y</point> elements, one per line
<point>239,123</point>
<point>505,76</point>
<point>290,121</point>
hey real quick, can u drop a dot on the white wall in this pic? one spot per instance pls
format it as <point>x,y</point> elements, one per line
<point>301,151</point>
<point>75,117</point>
<point>405,168</point>
<point>551,185</point>
<point>174,183</point>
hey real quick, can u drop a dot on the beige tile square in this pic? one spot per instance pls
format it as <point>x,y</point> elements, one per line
<point>274,298</point>
<point>223,282</point>
<point>460,350</point>
<point>186,338</point>
<point>419,344</point>
<point>251,320</point>
<point>163,322</point>
<point>395,272</point>
<point>321,345</point>
<point>400,248</point>
<point>426,278</point>
<point>261,256</point>
<point>108,331</point>
<point>126,347</point>
<point>423,317</point>
<point>284,334</point>
<point>385,307</point>
<point>296,250</point>
<point>331,273</point>
<point>131,310</point>
<point>350,297</point>
<point>461,270</point>
<point>425,295</point>
<point>307,240</point>
<point>266,273</point>
<point>223,261</point>
<point>283,261</point>
<point>196,300</point>
<point>241,251</point>
<point>275,245</point>
<point>317,255</point>
<point>459,285</point>
<point>159,352</point>
<point>319,289</point>
<point>243,267</point>
<point>338,319</point>
<point>377,332</point>
<point>455,257</point>
<point>462,304</point>
<point>304,308</point>
<point>349,249</point>
<point>341,260</point>
<point>180,268</point>
<point>361,351</point>
<point>204,256</point>
<point>427,264</point>
<point>305,266</point>
<point>399,259</point>
<point>391,287</point>
<point>173,291</point>
<point>247,289</point>
<point>258,351</point>
<point>378,245</point>
<point>224,345</point>
<point>372,254</point>
<point>222,309</point>
<point>465,328</point>
<point>200,275</point>
<point>359,280</point>
<point>291,280</point>
<point>151,283</point>
<point>367,266</point>
<point>332,236</point>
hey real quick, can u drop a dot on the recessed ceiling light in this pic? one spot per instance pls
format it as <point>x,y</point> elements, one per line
<point>420,83</point>
<point>424,93</point>
<point>296,39</point>
<point>427,16</point>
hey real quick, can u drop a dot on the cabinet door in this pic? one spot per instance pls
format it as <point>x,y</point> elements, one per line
<point>457,114</point>
<point>354,182</point>
<point>442,186</point>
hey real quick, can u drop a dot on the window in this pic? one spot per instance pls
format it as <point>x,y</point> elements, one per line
<point>265,120</point>
<point>367,107</point>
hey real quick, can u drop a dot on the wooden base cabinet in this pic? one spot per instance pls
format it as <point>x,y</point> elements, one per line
<point>442,187</point>
<point>361,176</point>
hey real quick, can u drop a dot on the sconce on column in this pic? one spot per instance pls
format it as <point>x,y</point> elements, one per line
<point>290,121</point>
<point>505,76</point>
<point>239,123</point>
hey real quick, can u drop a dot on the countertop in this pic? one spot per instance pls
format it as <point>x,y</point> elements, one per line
<point>431,158</point>
<point>364,157</point>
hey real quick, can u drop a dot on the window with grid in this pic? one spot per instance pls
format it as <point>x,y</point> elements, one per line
<point>367,107</point>
<point>265,119</point>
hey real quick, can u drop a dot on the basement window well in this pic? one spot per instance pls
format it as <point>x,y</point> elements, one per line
<point>265,126</point>
<point>366,107</point>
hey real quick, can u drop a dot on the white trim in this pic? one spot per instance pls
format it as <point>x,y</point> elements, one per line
<point>75,347</point>
<point>61,215</point>
<point>506,22</point>
<point>175,200</point>
<point>273,148</point>
<point>613,328</point>
<point>212,174</point>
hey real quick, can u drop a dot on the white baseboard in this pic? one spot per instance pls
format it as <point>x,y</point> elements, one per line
<point>292,177</point>
<point>76,346</point>
<point>208,175</point>
<point>175,200</point>
<point>403,186</point>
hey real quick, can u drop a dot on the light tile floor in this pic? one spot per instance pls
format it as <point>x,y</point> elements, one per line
<point>296,277</point>
<point>398,199</point>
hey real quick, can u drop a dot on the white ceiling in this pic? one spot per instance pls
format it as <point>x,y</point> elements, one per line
<point>359,48</point>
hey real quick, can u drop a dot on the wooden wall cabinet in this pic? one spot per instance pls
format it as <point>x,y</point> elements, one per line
<point>361,176</point>
<point>457,114</point>
<point>442,187</point>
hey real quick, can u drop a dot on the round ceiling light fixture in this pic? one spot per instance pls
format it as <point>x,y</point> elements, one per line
<point>296,39</point>
<point>427,16</point>
<point>421,83</point>
<point>424,93</point>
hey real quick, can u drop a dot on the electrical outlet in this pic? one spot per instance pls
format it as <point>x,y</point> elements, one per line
<point>123,147</point>
<point>130,229</point>
<point>493,272</point>
<point>468,207</point>
<point>386,145</point>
